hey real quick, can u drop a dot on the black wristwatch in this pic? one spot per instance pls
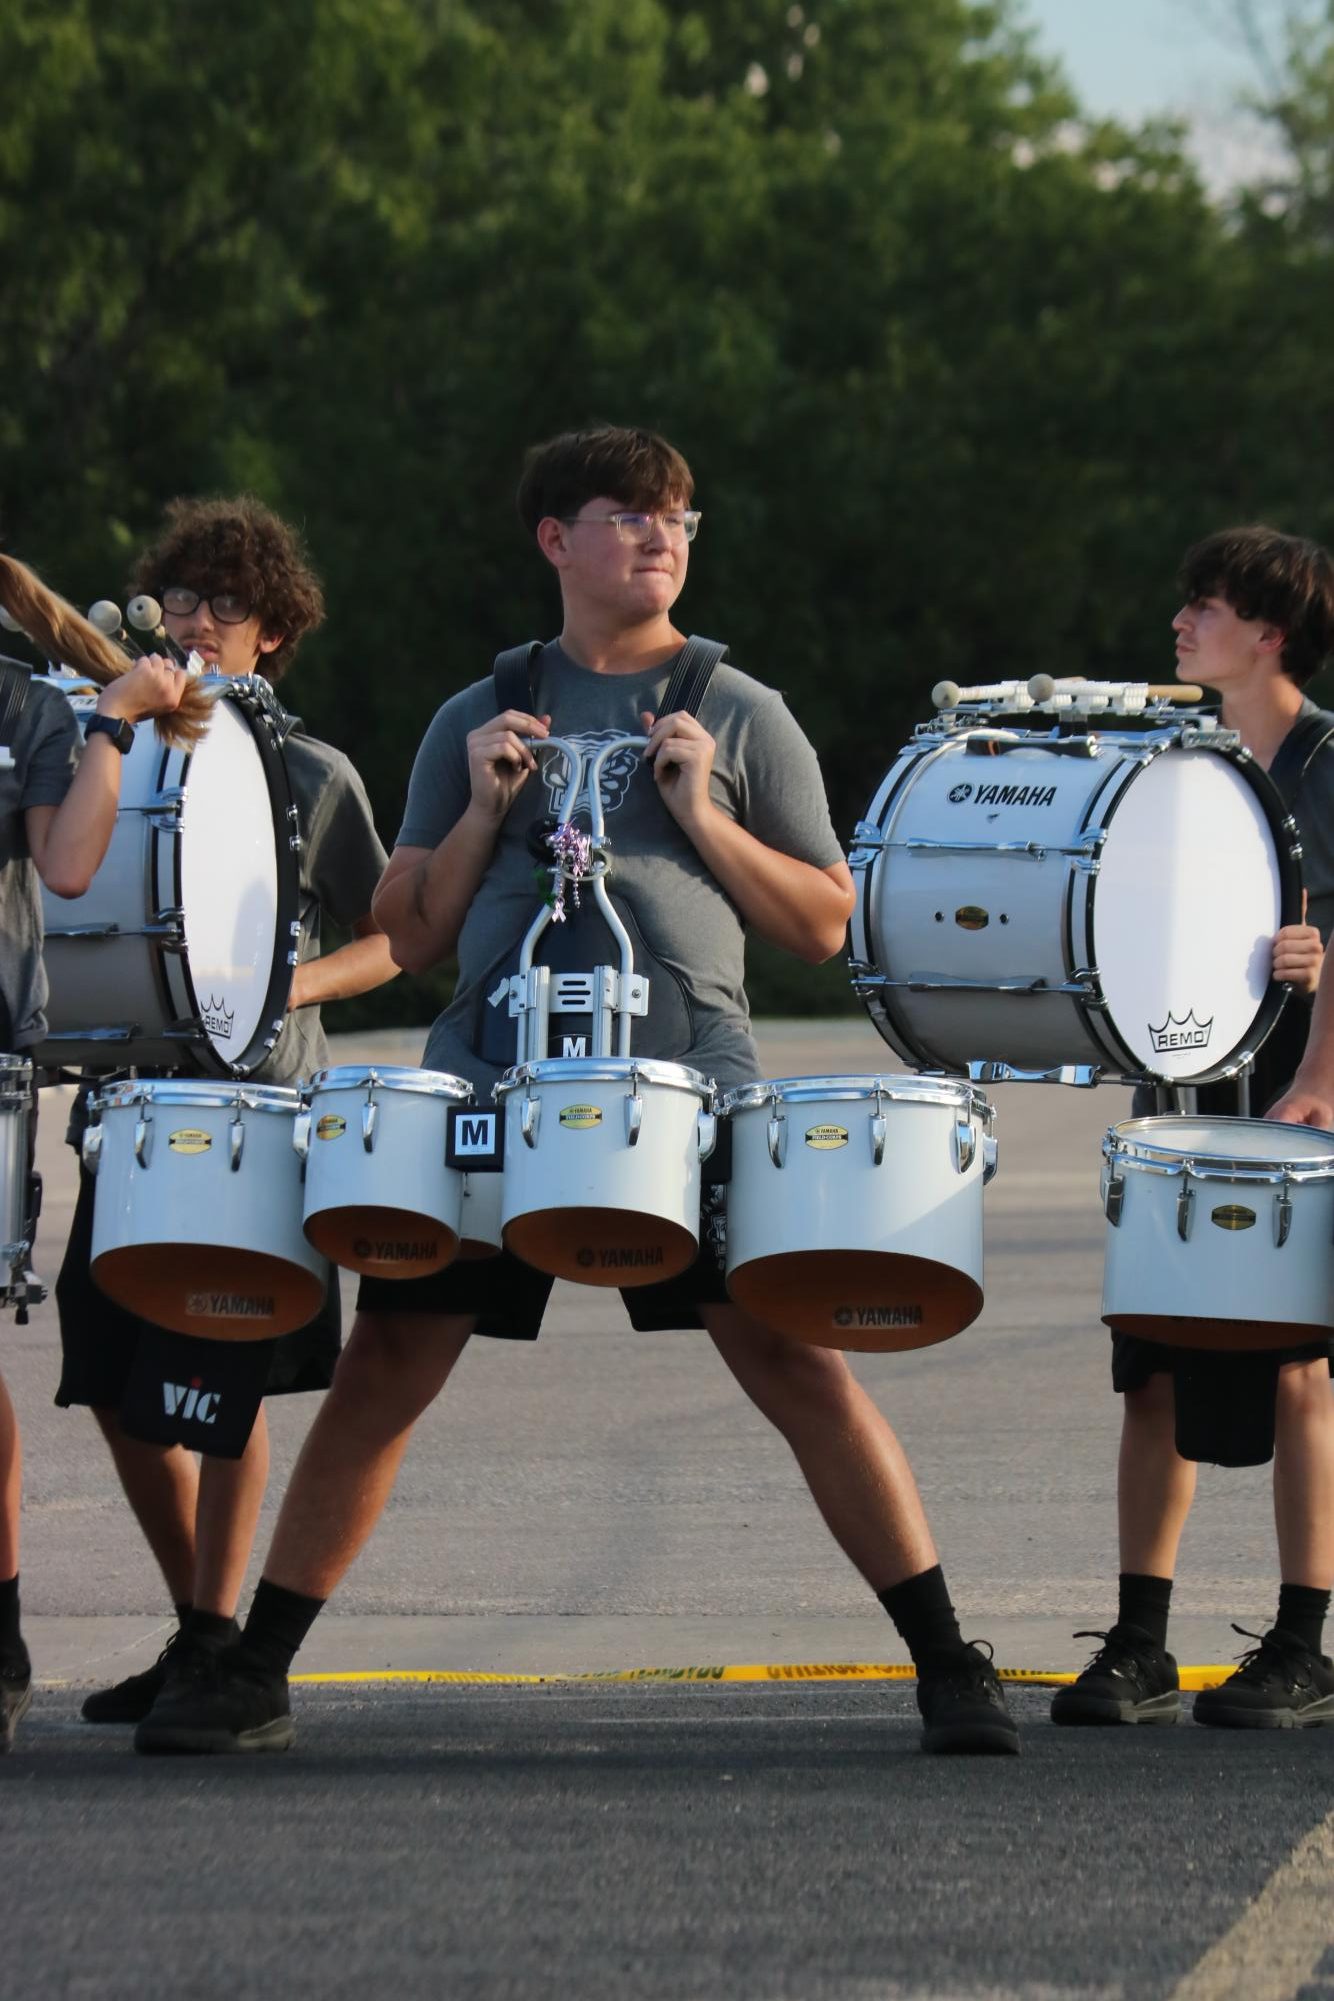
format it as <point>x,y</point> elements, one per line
<point>116,727</point>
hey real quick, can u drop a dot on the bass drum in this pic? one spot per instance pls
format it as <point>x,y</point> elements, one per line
<point>1102,905</point>
<point>181,954</point>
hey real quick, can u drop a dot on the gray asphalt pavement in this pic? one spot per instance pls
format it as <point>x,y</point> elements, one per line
<point>607,1500</point>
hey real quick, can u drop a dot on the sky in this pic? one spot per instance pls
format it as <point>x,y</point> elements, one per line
<point>1136,59</point>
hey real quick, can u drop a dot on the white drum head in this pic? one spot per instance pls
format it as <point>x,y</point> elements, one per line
<point>229,881</point>
<point>1184,913</point>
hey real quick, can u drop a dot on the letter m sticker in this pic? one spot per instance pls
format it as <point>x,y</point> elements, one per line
<point>474,1139</point>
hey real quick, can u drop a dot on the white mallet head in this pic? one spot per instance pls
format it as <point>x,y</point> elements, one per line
<point>144,613</point>
<point>1042,687</point>
<point>105,616</point>
<point>945,694</point>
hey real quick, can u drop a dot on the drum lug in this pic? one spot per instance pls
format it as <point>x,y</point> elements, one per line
<point>301,1139</point>
<point>143,1140</point>
<point>634,1116</point>
<point>777,1137</point>
<point>370,1118</point>
<point>529,1119</point>
<point>964,1145</point>
<point>1282,1215</point>
<point>91,1148</point>
<point>1185,1203</point>
<point>1113,1198</point>
<point>990,1158</point>
<point>235,1142</point>
<point>879,1133</point>
<point>294,838</point>
<point>707,1132</point>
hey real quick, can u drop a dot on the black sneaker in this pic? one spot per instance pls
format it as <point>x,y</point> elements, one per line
<point>129,1701</point>
<point>218,1702</point>
<point>962,1703</point>
<point>1131,1679</point>
<point>1280,1685</point>
<point>15,1695</point>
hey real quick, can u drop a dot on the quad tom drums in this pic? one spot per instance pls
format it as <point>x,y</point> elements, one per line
<point>1219,1232</point>
<point>197,1220</point>
<point>1035,905</point>
<point>380,1196</point>
<point>181,954</point>
<point>603,1167</point>
<point>854,1212</point>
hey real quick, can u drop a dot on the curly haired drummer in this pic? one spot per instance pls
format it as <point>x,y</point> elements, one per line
<point>1256,625</point>
<point>57,813</point>
<point>236,587</point>
<point>720,824</point>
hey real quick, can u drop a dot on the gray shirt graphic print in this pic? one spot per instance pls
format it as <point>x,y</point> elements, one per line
<point>689,936</point>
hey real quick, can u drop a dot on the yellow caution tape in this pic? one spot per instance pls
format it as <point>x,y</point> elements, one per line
<point>1192,1678</point>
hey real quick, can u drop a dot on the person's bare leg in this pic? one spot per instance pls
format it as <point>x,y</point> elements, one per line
<point>231,1493</point>
<point>853,1464</point>
<point>1154,1484</point>
<point>393,1366</point>
<point>1304,1474</point>
<point>161,1484</point>
<point>11,1484</point>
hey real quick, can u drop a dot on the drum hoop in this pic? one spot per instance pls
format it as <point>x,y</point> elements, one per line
<point>605,1070</point>
<point>387,1077</point>
<point>950,1091</point>
<point>253,696</point>
<point>1126,1148</point>
<point>201,1092</point>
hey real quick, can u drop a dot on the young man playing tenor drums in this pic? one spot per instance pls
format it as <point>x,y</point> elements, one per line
<point>235,586</point>
<point>57,814</point>
<point>720,824</point>
<point>1257,624</point>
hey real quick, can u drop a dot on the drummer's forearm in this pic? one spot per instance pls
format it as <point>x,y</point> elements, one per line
<point>70,842</point>
<point>355,968</point>
<point>424,895</point>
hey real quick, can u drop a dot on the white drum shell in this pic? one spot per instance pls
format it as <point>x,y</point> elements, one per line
<point>1228,1284</point>
<point>831,1196</point>
<point>1039,910</point>
<point>175,1189</point>
<point>376,1160</point>
<point>579,1170</point>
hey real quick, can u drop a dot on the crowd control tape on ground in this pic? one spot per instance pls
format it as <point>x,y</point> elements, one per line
<point>1192,1678</point>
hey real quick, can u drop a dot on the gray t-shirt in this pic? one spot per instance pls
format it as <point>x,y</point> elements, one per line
<point>342,860</point>
<point>689,935</point>
<point>45,748</point>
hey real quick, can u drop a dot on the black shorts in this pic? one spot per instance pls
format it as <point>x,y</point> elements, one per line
<point>99,1340</point>
<point>1135,1360</point>
<point>508,1297</point>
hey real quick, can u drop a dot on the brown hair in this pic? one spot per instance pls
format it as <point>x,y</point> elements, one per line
<point>242,546</point>
<point>1281,580</point>
<point>638,467</point>
<point>62,633</point>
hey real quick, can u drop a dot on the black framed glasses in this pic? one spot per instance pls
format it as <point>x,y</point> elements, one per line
<point>225,606</point>
<point>680,524</point>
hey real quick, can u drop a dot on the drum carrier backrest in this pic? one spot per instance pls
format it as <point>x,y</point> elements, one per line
<point>513,673</point>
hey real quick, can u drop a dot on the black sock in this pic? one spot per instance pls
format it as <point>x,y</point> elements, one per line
<point>1301,1611</point>
<point>213,1628</point>
<point>13,1653</point>
<point>1144,1602</point>
<point>921,1609</point>
<point>278,1623</point>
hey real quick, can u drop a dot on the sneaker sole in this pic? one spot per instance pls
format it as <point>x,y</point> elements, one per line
<point>15,1717</point>
<point>1101,1710</point>
<point>960,1739</point>
<point>1312,1718</point>
<point>168,1740</point>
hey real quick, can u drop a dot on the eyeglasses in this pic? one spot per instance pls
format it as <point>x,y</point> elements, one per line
<point>679,525</point>
<point>225,606</point>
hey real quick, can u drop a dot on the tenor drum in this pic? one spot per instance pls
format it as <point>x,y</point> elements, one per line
<point>854,1212</point>
<point>1102,904</point>
<point>197,1215</point>
<point>15,1196</point>
<point>1219,1232</point>
<point>602,1167</point>
<point>181,954</point>
<point>380,1198</point>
